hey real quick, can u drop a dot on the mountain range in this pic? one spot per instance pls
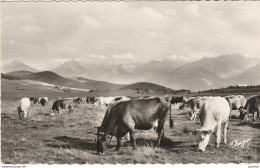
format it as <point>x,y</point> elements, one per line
<point>16,66</point>
<point>203,74</point>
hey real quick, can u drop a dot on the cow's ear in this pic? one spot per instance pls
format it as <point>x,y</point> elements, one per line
<point>209,132</point>
<point>195,131</point>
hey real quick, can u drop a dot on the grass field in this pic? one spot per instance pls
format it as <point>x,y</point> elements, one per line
<point>68,140</point>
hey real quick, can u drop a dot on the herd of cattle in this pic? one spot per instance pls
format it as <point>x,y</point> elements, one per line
<point>124,114</point>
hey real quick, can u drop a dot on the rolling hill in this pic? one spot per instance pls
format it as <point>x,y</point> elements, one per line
<point>142,85</point>
<point>55,79</point>
<point>100,85</point>
<point>9,77</point>
<point>16,66</point>
<point>20,74</point>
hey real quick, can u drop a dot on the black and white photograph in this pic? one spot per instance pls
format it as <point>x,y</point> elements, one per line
<point>130,82</point>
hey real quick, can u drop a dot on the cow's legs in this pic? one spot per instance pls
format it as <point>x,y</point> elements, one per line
<point>195,115</point>
<point>225,132</point>
<point>119,144</point>
<point>20,115</point>
<point>218,135</point>
<point>132,138</point>
<point>160,136</point>
<point>253,116</point>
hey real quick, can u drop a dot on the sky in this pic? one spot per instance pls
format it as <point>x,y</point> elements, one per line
<point>46,34</point>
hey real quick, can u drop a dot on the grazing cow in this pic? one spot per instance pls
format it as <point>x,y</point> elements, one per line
<point>122,98</point>
<point>77,100</point>
<point>84,100</point>
<point>133,97</point>
<point>236,102</point>
<point>214,112</point>
<point>118,98</point>
<point>91,100</point>
<point>61,103</point>
<point>252,106</point>
<point>104,101</point>
<point>176,99</point>
<point>42,100</point>
<point>126,116</point>
<point>23,108</point>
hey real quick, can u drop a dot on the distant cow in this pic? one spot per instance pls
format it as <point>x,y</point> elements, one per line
<point>23,108</point>
<point>194,103</point>
<point>236,102</point>
<point>126,116</point>
<point>91,100</point>
<point>118,98</point>
<point>41,100</point>
<point>62,103</point>
<point>77,100</point>
<point>214,112</point>
<point>104,101</point>
<point>122,98</point>
<point>252,106</point>
<point>174,100</point>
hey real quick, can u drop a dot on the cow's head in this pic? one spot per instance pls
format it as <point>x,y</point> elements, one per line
<point>70,109</point>
<point>35,101</point>
<point>243,114</point>
<point>52,113</point>
<point>22,114</point>
<point>204,136</point>
<point>184,104</point>
<point>103,140</point>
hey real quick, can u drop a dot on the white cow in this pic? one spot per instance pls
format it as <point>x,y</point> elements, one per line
<point>104,101</point>
<point>214,112</point>
<point>24,107</point>
<point>236,102</point>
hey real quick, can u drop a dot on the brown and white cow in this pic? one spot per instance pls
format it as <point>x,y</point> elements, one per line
<point>41,100</point>
<point>236,102</point>
<point>61,103</point>
<point>194,103</point>
<point>126,116</point>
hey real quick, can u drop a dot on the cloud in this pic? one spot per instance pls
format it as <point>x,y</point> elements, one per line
<point>124,56</point>
<point>98,56</point>
<point>128,32</point>
<point>91,21</point>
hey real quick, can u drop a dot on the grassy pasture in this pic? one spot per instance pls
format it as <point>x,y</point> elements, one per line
<point>69,140</point>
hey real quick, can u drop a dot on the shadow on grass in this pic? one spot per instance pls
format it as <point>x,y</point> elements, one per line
<point>73,143</point>
<point>250,124</point>
<point>166,143</point>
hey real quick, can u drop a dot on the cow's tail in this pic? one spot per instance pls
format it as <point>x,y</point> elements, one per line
<point>171,121</point>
